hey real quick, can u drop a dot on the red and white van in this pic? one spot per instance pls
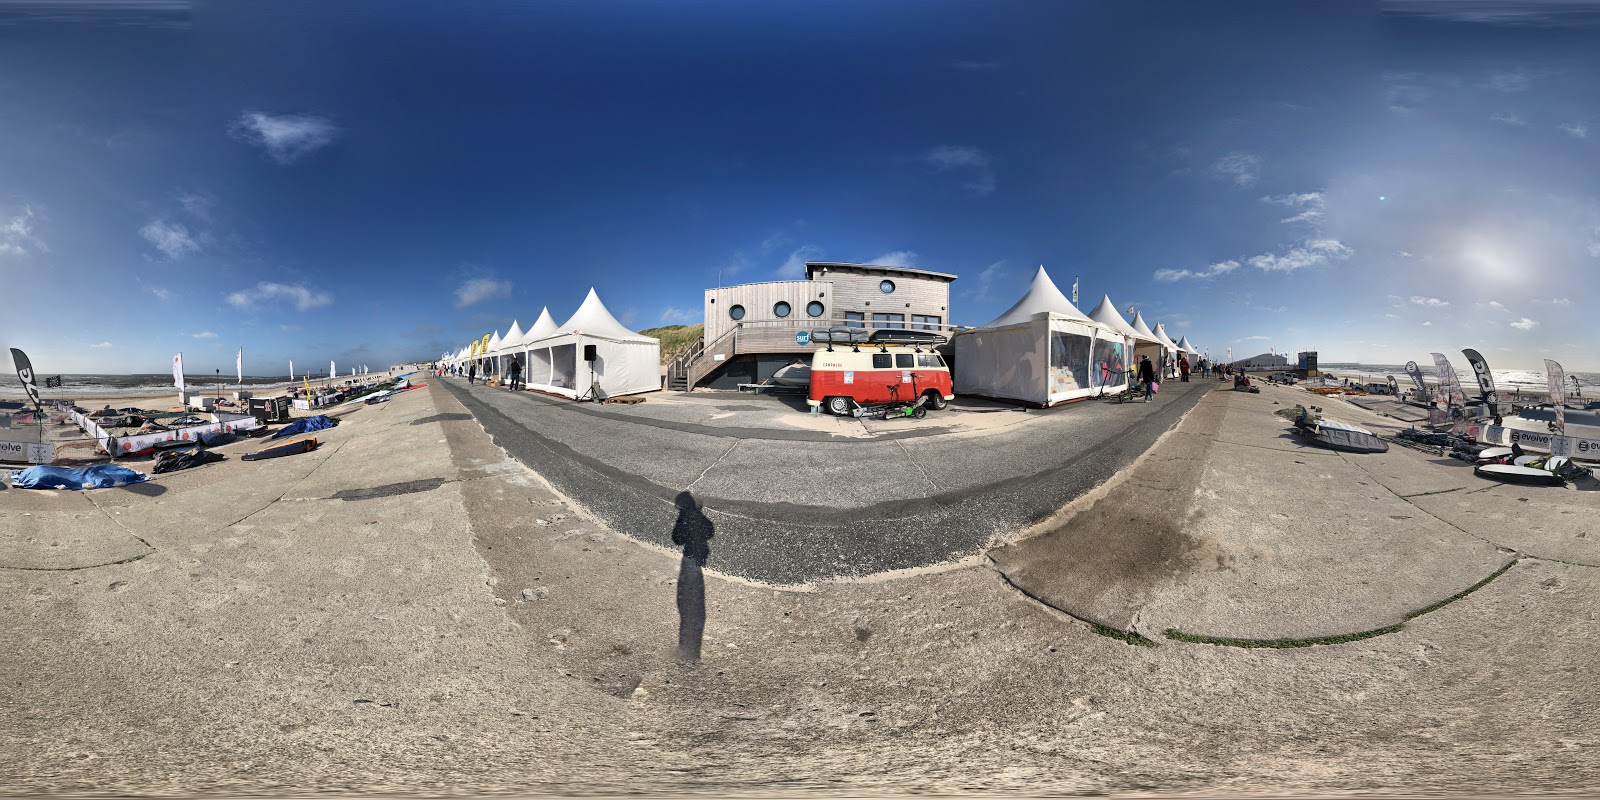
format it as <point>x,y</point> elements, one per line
<point>878,374</point>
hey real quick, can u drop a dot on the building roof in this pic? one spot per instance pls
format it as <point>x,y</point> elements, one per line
<point>1183,344</point>
<point>1143,329</point>
<point>1042,295</point>
<point>814,266</point>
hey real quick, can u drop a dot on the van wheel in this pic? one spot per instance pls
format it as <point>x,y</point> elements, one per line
<point>936,400</point>
<point>838,405</point>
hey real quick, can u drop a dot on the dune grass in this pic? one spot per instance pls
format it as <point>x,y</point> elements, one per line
<point>674,338</point>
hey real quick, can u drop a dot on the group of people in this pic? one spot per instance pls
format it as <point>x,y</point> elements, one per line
<point>513,373</point>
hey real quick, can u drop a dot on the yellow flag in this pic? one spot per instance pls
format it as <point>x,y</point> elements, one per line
<point>485,347</point>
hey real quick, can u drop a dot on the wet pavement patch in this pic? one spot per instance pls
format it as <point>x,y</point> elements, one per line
<point>441,418</point>
<point>390,489</point>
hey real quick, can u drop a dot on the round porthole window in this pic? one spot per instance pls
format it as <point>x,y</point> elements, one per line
<point>736,312</point>
<point>781,310</point>
<point>886,287</point>
<point>814,309</point>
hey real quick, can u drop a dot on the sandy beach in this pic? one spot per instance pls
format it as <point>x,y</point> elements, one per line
<point>413,608</point>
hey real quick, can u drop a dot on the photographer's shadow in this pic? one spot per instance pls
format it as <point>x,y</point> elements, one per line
<point>692,531</point>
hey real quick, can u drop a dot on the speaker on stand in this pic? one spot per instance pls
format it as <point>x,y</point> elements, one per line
<point>591,354</point>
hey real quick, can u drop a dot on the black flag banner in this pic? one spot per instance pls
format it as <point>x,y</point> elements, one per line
<point>1416,375</point>
<point>1485,381</point>
<point>1394,388</point>
<point>52,382</point>
<point>25,374</point>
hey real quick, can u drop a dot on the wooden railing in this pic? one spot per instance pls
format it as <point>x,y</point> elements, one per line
<point>766,336</point>
<point>708,360</point>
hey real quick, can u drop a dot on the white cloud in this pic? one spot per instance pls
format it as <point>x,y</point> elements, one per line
<point>1510,81</point>
<point>898,258</point>
<point>17,237</point>
<point>1243,169</point>
<point>1556,301</point>
<point>1427,324</point>
<point>101,346</point>
<point>1429,302</point>
<point>1405,91</point>
<point>290,328</point>
<point>204,335</point>
<point>286,137</point>
<point>979,291</point>
<point>196,205</point>
<point>162,294</point>
<point>1392,316</point>
<point>171,238</point>
<point>1309,253</point>
<point>1576,130</point>
<point>477,290</point>
<point>1219,268</point>
<point>1508,118</point>
<point>1311,205</point>
<point>678,316</point>
<point>1525,324</point>
<point>970,160</point>
<point>267,293</point>
<point>794,268</point>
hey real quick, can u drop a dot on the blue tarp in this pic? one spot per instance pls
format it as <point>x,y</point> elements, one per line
<point>99,476</point>
<point>307,425</point>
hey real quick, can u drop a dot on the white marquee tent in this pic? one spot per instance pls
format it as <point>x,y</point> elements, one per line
<point>625,362</point>
<point>508,346</point>
<point>1150,346</point>
<point>1106,314</point>
<point>1042,350</point>
<point>1183,344</point>
<point>1171,367</point>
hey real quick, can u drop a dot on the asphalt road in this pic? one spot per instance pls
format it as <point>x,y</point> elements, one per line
<point>794,512</point>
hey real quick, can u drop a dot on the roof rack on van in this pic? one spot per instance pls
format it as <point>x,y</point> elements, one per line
<point>840,334</point>
<point>906,336</point>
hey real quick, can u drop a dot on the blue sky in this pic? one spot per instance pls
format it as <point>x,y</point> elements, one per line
<point>371,182</point>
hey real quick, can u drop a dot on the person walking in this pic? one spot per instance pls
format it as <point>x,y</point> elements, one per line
<point>1183,367</point>
<point>516,375</point>
<point>1147,375</point>
<point>472,372</point>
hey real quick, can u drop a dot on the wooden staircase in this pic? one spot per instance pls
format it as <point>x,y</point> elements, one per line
<point>698,360</point>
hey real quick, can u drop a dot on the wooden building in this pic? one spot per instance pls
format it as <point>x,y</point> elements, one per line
<point>750,329</point>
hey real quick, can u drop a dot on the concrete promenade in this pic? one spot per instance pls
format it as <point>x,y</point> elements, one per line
<point>410,609</point>
<point>837,498</point>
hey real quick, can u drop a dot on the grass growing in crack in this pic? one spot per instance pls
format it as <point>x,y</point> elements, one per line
<point>1463,593</point>
<point>1126,637</point>
<point>1343,638</point>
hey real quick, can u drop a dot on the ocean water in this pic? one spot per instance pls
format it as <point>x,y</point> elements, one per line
<point>74,386</point>
<point>1504,379</point>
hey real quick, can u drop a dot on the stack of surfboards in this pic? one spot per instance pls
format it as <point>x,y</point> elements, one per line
<point>1535,470</point>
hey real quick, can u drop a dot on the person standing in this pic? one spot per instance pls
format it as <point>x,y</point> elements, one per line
<point>1147,375</point>
<point>472,372</point>
<point>1183,367</point>
<point>516,375</point>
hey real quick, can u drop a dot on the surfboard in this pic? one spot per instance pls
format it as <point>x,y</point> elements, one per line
<point>1529,476</point>
<point>286,449</point>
